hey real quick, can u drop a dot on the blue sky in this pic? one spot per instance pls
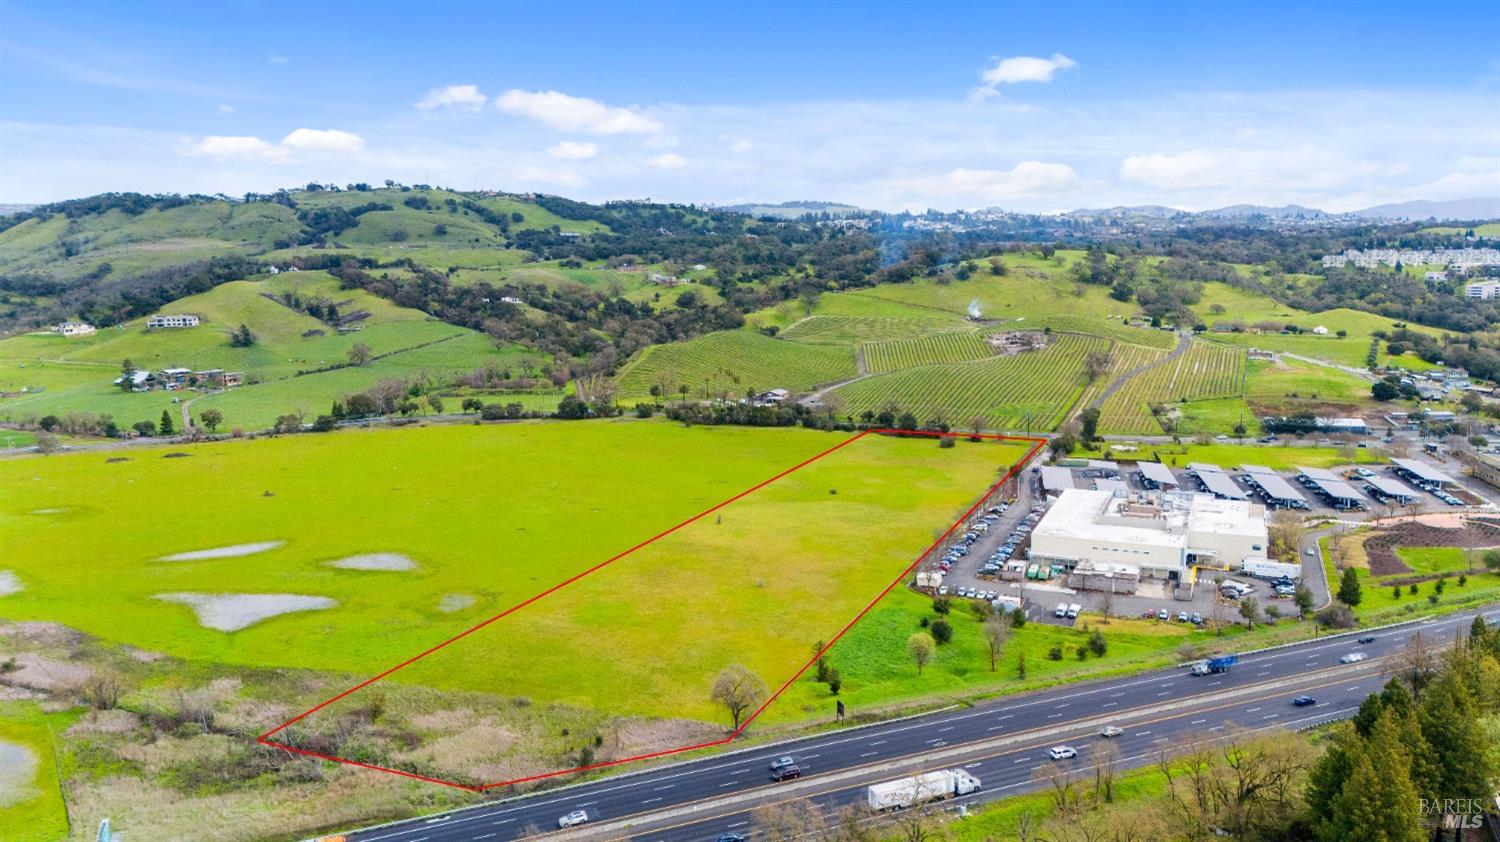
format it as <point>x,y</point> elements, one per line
<point>1026,106</point>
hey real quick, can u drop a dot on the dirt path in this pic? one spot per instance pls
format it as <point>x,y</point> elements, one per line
<point>1182,345</point>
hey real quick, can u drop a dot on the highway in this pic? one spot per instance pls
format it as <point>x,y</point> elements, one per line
<point>1002,741</point>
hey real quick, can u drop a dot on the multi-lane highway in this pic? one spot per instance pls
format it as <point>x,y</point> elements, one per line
<point>1002,741</point>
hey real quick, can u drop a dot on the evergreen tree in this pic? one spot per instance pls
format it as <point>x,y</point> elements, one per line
<point>165,427</point>
<point>1326,778</point>
<point>1378,802</point>
<point>1349,588</point>
<point>1449,719</point>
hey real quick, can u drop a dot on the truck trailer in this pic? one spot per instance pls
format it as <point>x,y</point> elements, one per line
<point>919,789</point>
<point>1266,569</point>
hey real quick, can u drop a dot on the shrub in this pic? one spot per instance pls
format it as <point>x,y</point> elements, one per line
<point>1337,616</point>
<point>1097,644</point>
<point>942,605</point>
<point>1055,653</point>
<point>942,632</point>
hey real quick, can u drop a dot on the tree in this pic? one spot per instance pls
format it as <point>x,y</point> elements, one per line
<point>739,690</point>
<point>1377,801</point>
<point>47,444</point>
<point>360,354</point>
<point>1096,364</point>
<point>1240,429</point>
<point>1382,390</point>
<point>1250,610</point>
<point>1303,597</point>
<point>435,404</point>
<point>997,631</point>
<point>942,631</point>
<point>242,338</point>
<point>1349,590</point>
<point>1088,423</point>
<point>144,428</point>
<point>165,425</point>
<point>211,419</point>
<point>1097,644</point>
<point>127,376</point>
<point>572,407</point>
<point>921,648</point>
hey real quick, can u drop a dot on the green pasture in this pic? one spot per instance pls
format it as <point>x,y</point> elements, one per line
<point>733,362</point>
<point>33,810</point>
<point>491,515</point>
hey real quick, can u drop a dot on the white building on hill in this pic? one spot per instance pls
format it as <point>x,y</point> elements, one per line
<point>1161,534</point>
<point>172,321</point>
<point>75,329</point>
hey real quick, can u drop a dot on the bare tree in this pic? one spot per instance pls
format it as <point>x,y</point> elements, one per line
<point>1061,780</point>
<point>739,690</point>
<point>996,634</point>
<point>1096,363</point>
<point>787,821</point>
<point>1106,757</point>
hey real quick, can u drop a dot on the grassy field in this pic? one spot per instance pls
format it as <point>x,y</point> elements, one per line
<point>853,330</point>
<point>1003,391</point>
<point>448,498</point>
<point>1488,229</point>
<point>31,807</point>
<point>1380,602</point>
<point>733,362</point>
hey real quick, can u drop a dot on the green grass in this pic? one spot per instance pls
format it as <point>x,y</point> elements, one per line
<point>1006,818</point>
<point>35,812</point>
<point>733,362</point>
<point>1002,391</point>
<point>496,513</point>
<point>1379,603</point>
<point>1488,229</point>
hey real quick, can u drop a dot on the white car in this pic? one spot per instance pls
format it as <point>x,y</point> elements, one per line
<point>1111,731</point>
<point>574,818</point>
<point>1062,752</point>
<point>1352,658</point>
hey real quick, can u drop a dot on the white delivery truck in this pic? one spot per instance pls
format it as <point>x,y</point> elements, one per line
<point>1262,568</point>
<point>918,789</point>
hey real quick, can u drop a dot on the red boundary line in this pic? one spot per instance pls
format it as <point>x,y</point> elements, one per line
<point>1037,444</point>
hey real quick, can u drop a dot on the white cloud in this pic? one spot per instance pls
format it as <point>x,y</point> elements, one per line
<point>464,97</point>
<point>562,177</point>
<point>1010,71</point>
<point>1248,169</point>
<point>229,147</point>
<point>275,59</point>
<point>323,140</point>
<point>668,161</point>
<point>1024,180</point>
<point>741,146</point>
<point>226,109</point>
<point>572,150</point>
<point>572,113</point>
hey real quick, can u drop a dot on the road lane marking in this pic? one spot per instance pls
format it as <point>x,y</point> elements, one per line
<point>1198,722</point>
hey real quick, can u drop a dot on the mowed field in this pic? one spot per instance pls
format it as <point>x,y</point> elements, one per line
<point>487,516</point>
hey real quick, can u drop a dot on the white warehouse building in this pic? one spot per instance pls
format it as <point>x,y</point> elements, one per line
<point>1161,534</point>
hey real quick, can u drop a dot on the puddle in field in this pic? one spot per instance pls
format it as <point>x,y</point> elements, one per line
<point>375,561</point>
<point>17,773</point>
<point>455,602</point>
<point>232,551</point>
<point>232,612</point>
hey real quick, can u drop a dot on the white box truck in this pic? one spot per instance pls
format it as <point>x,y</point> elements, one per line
<point>919,789</point>
<point>1262,568</point>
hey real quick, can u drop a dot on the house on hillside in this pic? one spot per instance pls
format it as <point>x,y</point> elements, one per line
<point>75,329</point>
<point>664,280</point>
<point>218,378</point>
<point>173,378</point>
<point>172,321</point>
<point>140,381</point>
<point>771,397</point>
<point>1320,330</point>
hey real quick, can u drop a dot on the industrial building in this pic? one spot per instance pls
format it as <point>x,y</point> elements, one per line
<point>1160,534</point>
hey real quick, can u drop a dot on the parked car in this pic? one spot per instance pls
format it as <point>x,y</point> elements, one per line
<point>1073,610</point>
<point>1111,731</point>
<point>1161,614</point>
<point>1182,616</point>
<point>1352,658</point>
<point>942,590</point>
<point>1062,752</point>
<point>573,819</point>
<point>1061,610</point>
<point>1304,701</point>
<point>1196,619</point>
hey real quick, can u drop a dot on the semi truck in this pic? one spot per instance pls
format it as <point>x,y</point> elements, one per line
<point>919,789</point>
<point>1216,664</point>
